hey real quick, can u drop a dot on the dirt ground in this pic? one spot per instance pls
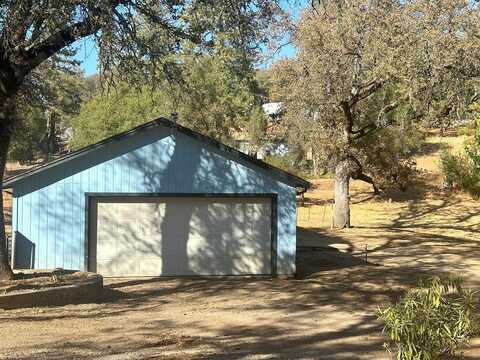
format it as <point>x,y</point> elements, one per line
<point>28,281</point>
<point>328,312</point>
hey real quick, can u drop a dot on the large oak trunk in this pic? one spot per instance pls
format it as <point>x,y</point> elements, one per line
<point>6,113</point>
<point>341,216</point>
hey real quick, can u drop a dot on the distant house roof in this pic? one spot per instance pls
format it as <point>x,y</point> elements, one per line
<point>282,175</point>
<point>273,109</point>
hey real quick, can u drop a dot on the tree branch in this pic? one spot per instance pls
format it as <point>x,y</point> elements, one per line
<point>360,175</point>
<point>368,129</point>
<point>31,58</point>
<point>172,30</point>
<point>365,91</point>
<point>19,32</point>
<point>27,60</point>
<point>474,98</point>
<point>348,123</point>
<point>36,29</point>
<point>364,131</point>
<point>364,177</point>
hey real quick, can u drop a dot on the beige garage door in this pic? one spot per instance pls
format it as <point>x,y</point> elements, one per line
<point>173,236</point>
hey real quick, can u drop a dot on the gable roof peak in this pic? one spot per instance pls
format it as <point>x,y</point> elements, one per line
<point>281,175</point>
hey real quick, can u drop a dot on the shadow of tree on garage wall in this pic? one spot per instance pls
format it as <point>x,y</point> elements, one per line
<point>160,161</point>
<point>165,246</point>
<point>164,169</point>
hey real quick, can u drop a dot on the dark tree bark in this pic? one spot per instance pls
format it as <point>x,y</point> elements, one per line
<point>6,128</point>
<point>347,169</point>
<point>48,144</point>
<point>364,177</point>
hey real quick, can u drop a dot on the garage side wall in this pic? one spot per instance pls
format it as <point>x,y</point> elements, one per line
<point>49,207</point>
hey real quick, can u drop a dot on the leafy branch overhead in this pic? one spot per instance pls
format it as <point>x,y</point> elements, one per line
<point>129,33</point>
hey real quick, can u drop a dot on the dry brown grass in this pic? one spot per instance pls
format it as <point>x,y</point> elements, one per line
<point>423,226</point>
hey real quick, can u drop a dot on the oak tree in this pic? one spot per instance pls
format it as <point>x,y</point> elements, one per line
<point>363,66</point>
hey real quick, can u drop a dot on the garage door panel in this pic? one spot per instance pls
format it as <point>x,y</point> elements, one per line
<point>183,236</point>
<point>127,246</point>
<point>230,265</point>
<point>106,248</point>
<point>145,248</point>
<point>125,268</point>
<point>106,267</point>
<point>147,267</point>
<point>214,246</point>
<point>146,231</point>
<point>251,249</point>
<point>126,211</point>
<point>250,264</point>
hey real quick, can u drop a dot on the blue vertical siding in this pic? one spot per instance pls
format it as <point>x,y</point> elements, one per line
<point>49,207</point>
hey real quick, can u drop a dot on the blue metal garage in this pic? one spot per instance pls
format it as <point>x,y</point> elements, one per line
<point>158,200</point>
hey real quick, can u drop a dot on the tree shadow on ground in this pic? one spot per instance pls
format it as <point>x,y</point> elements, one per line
<point>327,314</point>
<point>430,148</point>
<point>319,250</point>
<point>440,233</point>
<point>418,189</point>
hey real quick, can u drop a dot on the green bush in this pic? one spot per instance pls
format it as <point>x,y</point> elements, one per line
<point>461,171</point>
<point>390,156</point>
<point>430,321</point>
